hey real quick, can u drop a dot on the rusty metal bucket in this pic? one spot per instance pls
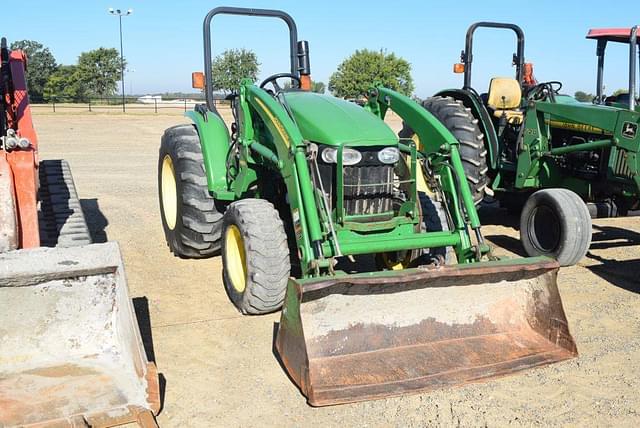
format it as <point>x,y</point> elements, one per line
<point>369,336</point>
<point>70,348</point>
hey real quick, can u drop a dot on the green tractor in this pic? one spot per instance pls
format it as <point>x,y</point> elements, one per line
<point>554,160</point>
<point>301,184</point>
<point>617,35</point>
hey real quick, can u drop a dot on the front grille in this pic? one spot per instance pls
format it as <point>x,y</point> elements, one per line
<point>368,189</point>
<point>621,168</point>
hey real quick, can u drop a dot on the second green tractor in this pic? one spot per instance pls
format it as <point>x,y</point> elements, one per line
<point>542,154</point>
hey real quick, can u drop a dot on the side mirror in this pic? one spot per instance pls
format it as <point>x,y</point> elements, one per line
<point>197,80</point>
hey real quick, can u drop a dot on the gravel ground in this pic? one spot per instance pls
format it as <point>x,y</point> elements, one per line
<point>218,368</point>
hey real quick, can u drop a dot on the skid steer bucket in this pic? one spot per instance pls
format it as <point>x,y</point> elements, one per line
<point>70,348</point>
<point>368,336</point>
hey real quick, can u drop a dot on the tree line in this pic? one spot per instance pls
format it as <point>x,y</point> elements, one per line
<point>95,75</point>
<point>352,78</point>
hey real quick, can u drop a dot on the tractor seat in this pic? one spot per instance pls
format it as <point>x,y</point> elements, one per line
<point>505,97</point>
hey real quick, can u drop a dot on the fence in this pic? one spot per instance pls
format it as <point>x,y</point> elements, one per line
<point>114,104</point>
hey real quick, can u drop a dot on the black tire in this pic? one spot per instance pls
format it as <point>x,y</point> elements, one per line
<point>460,122</point>
<point>434,219</point>
<point>556,223</point>
<point>62,222</point>
<point>266,266</point>
<point>192,227</point>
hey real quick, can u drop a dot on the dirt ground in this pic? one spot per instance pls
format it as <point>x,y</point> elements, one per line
<point>218,368</point>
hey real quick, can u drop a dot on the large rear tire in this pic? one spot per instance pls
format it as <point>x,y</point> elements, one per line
<point>191,217</point>
<point>255,256</point>
<point>62,221</point>
<point>460,122</point>
<point>556,223</point>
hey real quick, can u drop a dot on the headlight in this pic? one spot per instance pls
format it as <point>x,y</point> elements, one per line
<point>349,156</point>
<point>389,155</point>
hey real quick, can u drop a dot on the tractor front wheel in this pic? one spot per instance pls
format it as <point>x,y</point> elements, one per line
<point>556,223</point>
<point>255,256</point>
<point>191,217</point>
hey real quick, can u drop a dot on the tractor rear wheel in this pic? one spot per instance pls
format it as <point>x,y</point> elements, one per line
<point>191,217</point>
<point>556,223</point>
<point>255,256</point>
<point>460,122</point>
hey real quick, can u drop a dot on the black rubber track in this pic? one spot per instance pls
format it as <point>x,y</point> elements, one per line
<point>266,254</point>
<point>199,216</point>
<point>62,222</point>
<point>460,122</point>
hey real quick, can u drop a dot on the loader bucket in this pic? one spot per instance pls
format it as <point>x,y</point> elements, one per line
<point>369,336</point>
<point>70,349</point>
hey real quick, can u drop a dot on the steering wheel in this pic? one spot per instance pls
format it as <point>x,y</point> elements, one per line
<point>544,90</point>
<point>273,79</point>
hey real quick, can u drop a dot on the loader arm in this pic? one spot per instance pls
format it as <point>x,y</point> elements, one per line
<point>437,144</point>
<point>619,130</point>
<point>289,158</point>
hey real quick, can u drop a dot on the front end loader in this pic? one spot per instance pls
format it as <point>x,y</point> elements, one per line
<point>555,161</point>
<point>70,350</point>
<point>386,287</point>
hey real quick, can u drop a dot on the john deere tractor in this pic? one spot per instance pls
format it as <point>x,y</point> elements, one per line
<point>617,35</point>
<point>299,184</point>
<point>541,153</point>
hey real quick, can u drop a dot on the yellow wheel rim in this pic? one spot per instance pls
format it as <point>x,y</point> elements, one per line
<point>235,262</point>
<point>397,263</point>
<point>169,192</point>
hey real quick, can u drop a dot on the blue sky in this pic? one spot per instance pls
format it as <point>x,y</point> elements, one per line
<point>163,39</point>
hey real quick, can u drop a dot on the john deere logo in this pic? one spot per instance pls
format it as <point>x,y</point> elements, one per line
<point>629,130</point>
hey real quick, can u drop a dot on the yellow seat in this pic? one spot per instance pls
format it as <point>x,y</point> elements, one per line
<point>505,97</point>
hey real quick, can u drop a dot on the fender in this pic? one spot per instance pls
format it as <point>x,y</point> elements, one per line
<point>479,111</point>
<point>214,141</point>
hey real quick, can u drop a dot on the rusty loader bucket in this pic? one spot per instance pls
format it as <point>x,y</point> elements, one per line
<point>70,348</point>
<point>368,336</point>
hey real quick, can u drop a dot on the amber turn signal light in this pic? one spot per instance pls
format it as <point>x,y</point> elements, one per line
<point>458,68</point>
<point>197,80</point>
<point>305,82</point>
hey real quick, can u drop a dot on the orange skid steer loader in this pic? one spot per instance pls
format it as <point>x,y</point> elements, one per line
<point>70,349</point>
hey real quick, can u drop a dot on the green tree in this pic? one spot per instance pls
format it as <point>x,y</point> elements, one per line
<point>318,87</point>
<point>65,84</point>
<point>40,65</point>
<point>99,71</point>
<point>620,91</point>
<point>233,65</point>
<point>356,73</point>
<point>583,96</point>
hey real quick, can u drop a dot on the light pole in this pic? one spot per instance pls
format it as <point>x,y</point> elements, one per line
<point>119,13</point>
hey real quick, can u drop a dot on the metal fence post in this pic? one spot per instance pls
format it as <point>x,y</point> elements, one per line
<point>89,104</point>
<point>155,105</point>
<point>185,104</point>
<point>54,105</point>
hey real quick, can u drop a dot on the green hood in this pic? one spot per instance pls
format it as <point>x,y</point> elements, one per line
<point>329,120</point>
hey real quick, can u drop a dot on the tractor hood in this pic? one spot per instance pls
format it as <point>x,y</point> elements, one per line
<point>329,120</point>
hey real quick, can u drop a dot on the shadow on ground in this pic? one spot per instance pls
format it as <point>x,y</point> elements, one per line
<point>621,273</point>
<point>141,307</point>
<point>96,221</point>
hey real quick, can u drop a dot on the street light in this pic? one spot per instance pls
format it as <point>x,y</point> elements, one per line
<point>120,13</point>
